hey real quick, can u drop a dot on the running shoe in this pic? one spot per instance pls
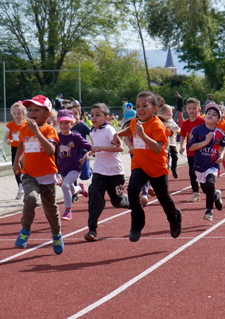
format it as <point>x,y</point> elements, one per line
<point>58,244</point>
<point>22,239</point>
<point>67,215</point>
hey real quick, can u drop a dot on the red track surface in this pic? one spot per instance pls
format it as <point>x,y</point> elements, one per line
<point>178,278</point>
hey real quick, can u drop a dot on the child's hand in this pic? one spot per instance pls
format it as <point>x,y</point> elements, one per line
<point>139,129</point>
<point>116,140</point>
<point>219,160</point>
<point>17,168</point>
<point>131,149</point>
<point>208,137</point>
<point>182,149</point>
<point>32,126</point>
<point>84,158</point>
<point>9,142</point>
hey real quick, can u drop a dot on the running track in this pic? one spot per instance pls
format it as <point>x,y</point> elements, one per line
<point>156,278</point>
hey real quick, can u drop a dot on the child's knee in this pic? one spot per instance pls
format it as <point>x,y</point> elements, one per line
<point>31,199</point>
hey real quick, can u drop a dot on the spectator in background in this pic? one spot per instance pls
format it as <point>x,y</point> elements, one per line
<point>180,106</point>
<point>209,99</point>
<point>129,113</point>
<point>58,103</point>
<point>125,102</point>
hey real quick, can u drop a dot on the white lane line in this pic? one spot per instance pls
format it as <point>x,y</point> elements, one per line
<point>79,230</point>
<point>142,275</point>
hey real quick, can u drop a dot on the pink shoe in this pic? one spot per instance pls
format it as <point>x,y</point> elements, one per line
<point>83,192</point>
<point>66,216</point>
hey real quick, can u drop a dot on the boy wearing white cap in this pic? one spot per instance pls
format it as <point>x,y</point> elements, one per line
<point>205,141</point>
<point>37,141</point>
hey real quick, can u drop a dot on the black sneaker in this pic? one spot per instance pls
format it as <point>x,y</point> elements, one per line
<point>91,236</point>
<point>208,215</point>
<point>134,236</point>
<point>175,175</point>
<point>175,230</point>
<point>75,198</point>
<point>218,200</point>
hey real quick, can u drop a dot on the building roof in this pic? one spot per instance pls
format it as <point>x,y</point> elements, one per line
<point>169,60</point>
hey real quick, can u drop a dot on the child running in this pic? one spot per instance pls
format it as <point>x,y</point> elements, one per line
<point>193,109</point>
<point>69,154</point>
<point>205,141</point>
<point>18,112</point>
<point>148,163</point>
<point>84,130</point>
<point>108,171</point>
<point>37,141</point>
<point>165,114</point>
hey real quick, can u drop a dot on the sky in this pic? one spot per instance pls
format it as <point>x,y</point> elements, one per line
<point>155,55</point>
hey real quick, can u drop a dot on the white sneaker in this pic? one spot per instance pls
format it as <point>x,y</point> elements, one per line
<point>144,200</point>
<point>20,192</point>
<point>195,197</point>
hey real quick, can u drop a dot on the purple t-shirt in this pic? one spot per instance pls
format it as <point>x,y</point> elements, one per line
<point>69,152</point>
<point>206,156</point>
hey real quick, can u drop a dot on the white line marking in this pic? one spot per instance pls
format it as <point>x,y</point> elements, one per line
<point>142,275</point>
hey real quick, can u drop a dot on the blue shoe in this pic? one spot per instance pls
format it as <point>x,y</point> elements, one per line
<point>58,244</point>
<point>22,239</point>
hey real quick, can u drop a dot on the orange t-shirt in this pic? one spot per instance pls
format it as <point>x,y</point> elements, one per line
<point>153,164</point>
<point>36,161</point>
<point>221,126</point>
<point>14,131</point>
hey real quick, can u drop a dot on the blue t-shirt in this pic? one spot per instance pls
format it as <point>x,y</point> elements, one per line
<point>129,114</point>
<point>206,156</point>
<point>81,128</point>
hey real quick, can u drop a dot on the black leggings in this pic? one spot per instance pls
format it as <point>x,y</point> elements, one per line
<point>194,183</point>
<point>13,152</point>
<point>160,185</point>
<point>209,189</point>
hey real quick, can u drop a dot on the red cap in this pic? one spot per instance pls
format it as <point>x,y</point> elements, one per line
<point>39,100</point>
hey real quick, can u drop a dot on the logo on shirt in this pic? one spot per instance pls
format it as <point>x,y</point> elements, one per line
<point>65,150</point>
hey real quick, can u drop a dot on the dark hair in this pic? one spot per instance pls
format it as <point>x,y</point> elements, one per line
<point>148,95</point>
<point>102,107</point>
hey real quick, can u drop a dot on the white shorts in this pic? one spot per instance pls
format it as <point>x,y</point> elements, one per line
<point>201,177</point>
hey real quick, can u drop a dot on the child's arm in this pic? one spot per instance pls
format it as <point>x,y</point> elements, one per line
<point>155,146</point>
<point>16,166</point>
<point>48,147</point>
<point>128,143</point>
<point>182,141</point>
<point>197,146</point>
<point>124,132</point>
<point>6,138</point>
<point>111,148</point>
<point>221,156</point>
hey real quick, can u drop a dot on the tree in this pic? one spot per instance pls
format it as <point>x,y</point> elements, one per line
<point>44,31</point>
<point>196,29</point>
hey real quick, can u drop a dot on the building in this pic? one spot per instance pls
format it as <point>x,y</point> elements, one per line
<point>169,62</point>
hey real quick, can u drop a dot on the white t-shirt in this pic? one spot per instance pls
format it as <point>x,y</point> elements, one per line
<point>106,163</point>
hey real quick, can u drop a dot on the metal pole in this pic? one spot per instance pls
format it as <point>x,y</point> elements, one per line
<point>4,92</point>
<point>79,83</point>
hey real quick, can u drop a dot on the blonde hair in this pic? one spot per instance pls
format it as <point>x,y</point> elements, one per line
<point>22,107</point>
<point>163,109</point>
<point>53,116</point>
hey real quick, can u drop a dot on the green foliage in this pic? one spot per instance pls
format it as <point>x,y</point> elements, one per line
<point>45,31</point>
<point>196,29</point>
